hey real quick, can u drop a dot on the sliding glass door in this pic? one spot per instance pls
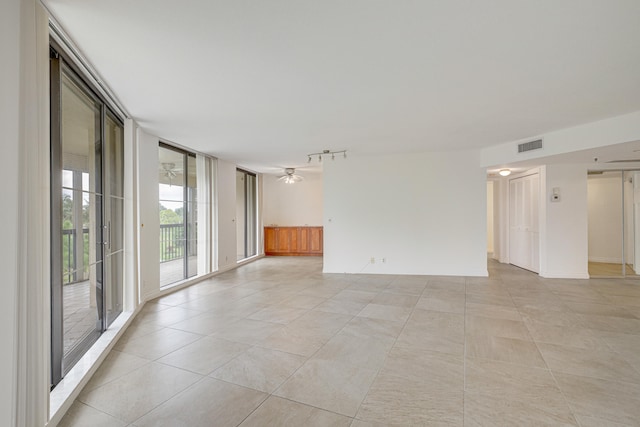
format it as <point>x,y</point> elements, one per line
<point>86,217</point>
<point>246,214</point>
<point>178,194</point>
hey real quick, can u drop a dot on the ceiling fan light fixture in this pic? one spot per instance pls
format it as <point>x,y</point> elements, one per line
<point>290,176</point>
<point>505,172</point>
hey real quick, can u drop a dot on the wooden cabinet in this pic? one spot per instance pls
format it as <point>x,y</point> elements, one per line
<point>304,241</point>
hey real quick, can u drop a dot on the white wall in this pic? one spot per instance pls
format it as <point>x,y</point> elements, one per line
<point>9,214</point>
<point>500,219</point>
<point>564,235</point>
<point>25,254</point>
<point>226,202</point>
<point>149,231</point>
<point>605,217</point>
<point>424,213</point>
<point>490,232</point>
<point>293,204</point>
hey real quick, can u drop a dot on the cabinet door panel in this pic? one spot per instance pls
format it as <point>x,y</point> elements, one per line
<point>282,240</point>
<point>293,240</point>
<point>303,240</point>
<point>315,240</point>
<point>270,240</point>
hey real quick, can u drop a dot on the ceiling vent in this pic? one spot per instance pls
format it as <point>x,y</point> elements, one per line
<point>529,146</point>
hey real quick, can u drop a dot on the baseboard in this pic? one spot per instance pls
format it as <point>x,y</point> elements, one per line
<point>552,275</point>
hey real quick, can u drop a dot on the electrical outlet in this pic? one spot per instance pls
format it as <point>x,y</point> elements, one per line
<point>373,260</point>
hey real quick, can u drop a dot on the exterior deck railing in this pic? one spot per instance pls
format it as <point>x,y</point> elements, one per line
<point>171,242</point>
<point>70,273</point>
<point>171,247</point>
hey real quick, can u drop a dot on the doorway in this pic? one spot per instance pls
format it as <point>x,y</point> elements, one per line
<point>87,210</point>
<point>613,209</point>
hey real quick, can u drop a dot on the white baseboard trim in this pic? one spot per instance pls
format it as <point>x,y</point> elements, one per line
<point>565,275</point>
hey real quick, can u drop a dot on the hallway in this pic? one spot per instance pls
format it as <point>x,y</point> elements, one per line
<point>277,342</point>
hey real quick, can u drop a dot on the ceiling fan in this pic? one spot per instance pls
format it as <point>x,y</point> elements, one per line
<point>168,170</point>
<point>290,176</point>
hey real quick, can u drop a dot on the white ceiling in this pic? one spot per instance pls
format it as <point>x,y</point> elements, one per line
<point>263,83</point>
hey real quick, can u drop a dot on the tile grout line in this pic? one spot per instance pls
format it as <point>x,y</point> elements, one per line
<point>387,353</point>
<point>464,358</point>
<point>535,342</point>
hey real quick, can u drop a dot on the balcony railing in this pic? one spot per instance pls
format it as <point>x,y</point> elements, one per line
<point>171,242</point>
<point>70,273</point>
<point>171,247</point>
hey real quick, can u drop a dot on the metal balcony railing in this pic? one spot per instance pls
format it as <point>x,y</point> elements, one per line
<point>171,242</point>
<point>171,247</point>
<point>70,272</point>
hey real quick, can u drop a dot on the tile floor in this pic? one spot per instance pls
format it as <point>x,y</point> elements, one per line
<point>277,342</point>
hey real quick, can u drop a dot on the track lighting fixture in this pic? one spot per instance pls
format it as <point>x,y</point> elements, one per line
<point>326,153</point>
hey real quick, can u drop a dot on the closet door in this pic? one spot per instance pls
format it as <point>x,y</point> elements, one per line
<point>524,236</point>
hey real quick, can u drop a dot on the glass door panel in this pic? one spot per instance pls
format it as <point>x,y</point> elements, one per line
<point>171,189</point>
<point>80,220</point>
<point>114,214</point>
<point>192,217</point>
<point>246,215</point>
<point>251,216</point>
<point>87,211</point>
<point>629,212</point>
<point>240,215</point>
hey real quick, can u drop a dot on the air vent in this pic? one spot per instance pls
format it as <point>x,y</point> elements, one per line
<point>531,145</point>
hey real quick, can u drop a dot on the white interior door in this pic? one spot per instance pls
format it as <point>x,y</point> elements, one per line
<point>524,235</point>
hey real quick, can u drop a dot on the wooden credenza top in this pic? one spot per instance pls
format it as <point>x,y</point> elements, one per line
<point>293,240</point>
<point>292,226</point>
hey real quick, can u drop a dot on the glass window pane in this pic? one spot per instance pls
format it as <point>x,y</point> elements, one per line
<point>114,153</point>
<point>171,175</point>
